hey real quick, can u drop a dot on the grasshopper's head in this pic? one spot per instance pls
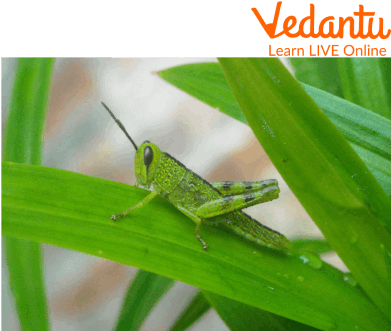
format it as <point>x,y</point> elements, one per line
<point>146,163</point>
<point>147,156</point>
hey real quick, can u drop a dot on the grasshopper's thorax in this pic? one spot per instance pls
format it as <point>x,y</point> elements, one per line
<point>169,174</point>
<point>146,163</point>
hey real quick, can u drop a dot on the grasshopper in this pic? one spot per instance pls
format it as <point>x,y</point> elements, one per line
<point>217,204</point>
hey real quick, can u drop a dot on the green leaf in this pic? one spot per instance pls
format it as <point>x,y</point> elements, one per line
<point>143,294</point>
<point>240,317</point>
<point>368,133</point>
<point>195,310</point>
<point>27,115</point>
<point>387,258</point>
<point>320,167</point>
<point>363,82</point>
<point>206,82</point>
<point>316,246</point>
<point>23,144</point>
<point>26,283</point>
<point>73,211</point>
<point>321,73</point>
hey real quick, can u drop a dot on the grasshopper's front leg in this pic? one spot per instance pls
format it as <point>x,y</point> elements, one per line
<point>142,203</point>
<point>230,203</point>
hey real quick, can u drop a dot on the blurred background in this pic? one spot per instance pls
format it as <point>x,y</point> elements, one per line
<point>86,292</point>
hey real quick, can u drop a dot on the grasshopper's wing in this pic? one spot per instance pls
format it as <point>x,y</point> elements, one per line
<point>231,203</point>
<point>241,187</point>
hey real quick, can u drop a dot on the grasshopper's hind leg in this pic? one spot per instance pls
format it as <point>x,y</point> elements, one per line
<point>197,220</point>
<point>197,229</point>
<point>241,187</point>
<point>230,203</point>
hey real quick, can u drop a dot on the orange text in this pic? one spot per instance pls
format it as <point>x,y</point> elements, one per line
<point>332,32</point>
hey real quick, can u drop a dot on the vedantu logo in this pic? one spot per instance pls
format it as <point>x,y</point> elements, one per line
<point>326,23</point>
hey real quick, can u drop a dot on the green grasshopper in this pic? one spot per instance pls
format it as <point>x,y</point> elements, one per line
<point>217,204</point>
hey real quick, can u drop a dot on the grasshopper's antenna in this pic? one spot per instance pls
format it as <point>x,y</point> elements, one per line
<point>120,125</point>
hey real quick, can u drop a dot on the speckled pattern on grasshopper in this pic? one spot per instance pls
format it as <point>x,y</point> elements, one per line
<point>216,204</point>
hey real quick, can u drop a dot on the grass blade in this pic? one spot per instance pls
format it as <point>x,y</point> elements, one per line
<point>143,294</point>
<point>23,144</point>
<point>363,82</point>
<point>194,311</point>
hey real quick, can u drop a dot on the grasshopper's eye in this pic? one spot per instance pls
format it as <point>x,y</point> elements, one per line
<point>148,155</point>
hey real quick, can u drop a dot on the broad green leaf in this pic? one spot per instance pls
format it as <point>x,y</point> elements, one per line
<point>73,211</point>
<point>143,294</point>
<point>320,167</point>
<point>23,144</point>
<point>195,310</point>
